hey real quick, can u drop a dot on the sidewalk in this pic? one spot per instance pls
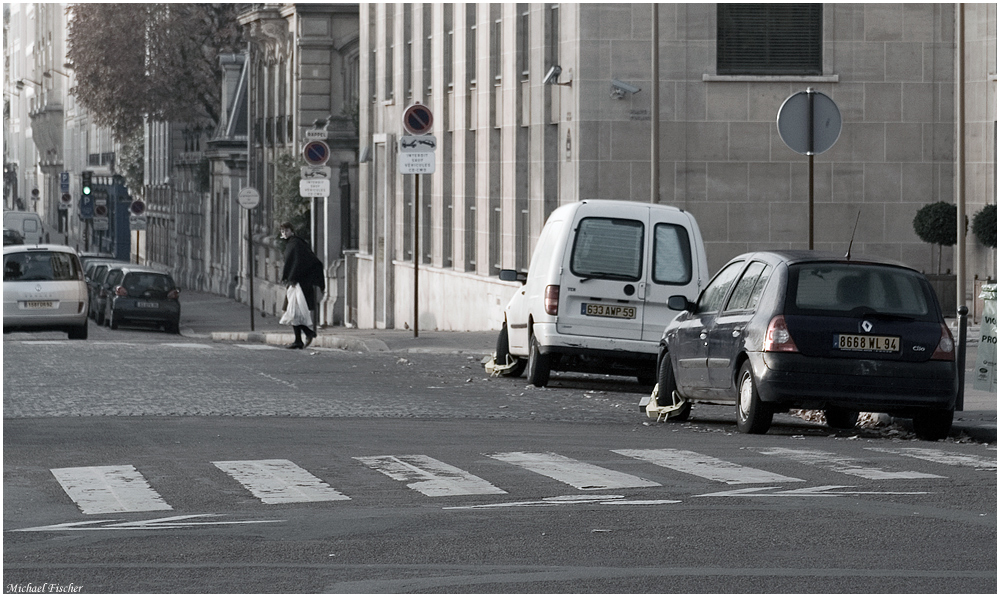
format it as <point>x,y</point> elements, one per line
<point>221,319</point>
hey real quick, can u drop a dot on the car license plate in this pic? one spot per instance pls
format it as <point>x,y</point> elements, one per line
<point>601,310</point>
<point>39,305</point>
<point>861,343</point>
<point>146,305</point>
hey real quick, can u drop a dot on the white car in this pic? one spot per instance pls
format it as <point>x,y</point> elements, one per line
<point>44,289</point>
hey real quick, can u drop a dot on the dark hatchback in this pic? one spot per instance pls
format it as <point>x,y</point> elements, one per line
<point>775,331</point>
<point>143,295</point>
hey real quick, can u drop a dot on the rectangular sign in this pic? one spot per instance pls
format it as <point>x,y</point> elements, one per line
<point>316,171</point>
<point>137,222</point>
<point>314,187</point>
<point>416,163</point>
<point>64,182</point>
<point>316,135</point>
<point>417,143</point>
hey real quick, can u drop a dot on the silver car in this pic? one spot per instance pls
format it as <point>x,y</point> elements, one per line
<point>44,289</point>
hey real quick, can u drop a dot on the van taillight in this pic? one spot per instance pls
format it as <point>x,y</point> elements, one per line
<point>120,291</point>
<point>945,350</point>
<point>552,300</point>
<point>778,339</point>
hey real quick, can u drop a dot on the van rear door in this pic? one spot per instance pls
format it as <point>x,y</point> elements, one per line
<point>602,271</point>
<point>675,265</point>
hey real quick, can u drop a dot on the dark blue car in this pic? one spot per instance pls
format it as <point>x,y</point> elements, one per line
<point>775,331</point>
<point>142,295</point>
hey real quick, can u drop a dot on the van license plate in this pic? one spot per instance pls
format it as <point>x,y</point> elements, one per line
<point>38,305</point>
<point>860,343</point>
<point>143,305</point>
<point>601,310</point>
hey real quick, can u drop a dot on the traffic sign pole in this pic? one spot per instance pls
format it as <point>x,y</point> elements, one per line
<point>249,198</point>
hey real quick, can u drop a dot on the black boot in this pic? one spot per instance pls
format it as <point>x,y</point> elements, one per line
<point>298,337</point>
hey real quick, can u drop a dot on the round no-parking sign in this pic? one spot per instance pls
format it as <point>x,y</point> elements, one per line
<point>316,153</point>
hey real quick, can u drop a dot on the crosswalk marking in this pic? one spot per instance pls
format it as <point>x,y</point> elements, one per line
<point>706,467</point>
<point>104,489</point>
<point>844,464</point>
<point>279,481</point>
<point>430,477</point>
<point>572,472</point>
<point>942,457</point>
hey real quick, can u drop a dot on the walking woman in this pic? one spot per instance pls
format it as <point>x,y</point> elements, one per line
<point>302,267</point>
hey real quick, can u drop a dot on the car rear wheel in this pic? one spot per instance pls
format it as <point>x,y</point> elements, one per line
<point>839,418</point>
<point>78,333</point>
<point>538,365</point>
<point>667,387</point>
<point>932,425</point>
<point>752,415</point>
<point>503,352</point>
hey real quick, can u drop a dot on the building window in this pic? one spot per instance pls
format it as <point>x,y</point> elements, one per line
<point>770,39</point>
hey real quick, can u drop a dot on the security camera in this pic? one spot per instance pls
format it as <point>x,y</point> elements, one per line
<point>620,88</point>
<point>552,77</point>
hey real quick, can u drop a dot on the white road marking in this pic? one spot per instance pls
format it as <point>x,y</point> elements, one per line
<point>429,476</point>
<point>844,464</point>
<point>173,522</point>
<point>821,491</point>
<point>572,472</point>
<point>186,345</point>
<point>104,489</point>
<point>279,481</point>
<point>256,346</point>
<point>706,467</point>
<point>942,457</point>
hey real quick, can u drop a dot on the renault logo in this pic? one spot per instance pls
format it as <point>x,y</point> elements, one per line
<point>866,326</point>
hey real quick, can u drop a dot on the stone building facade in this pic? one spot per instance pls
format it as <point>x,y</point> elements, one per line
<point>510,148</point>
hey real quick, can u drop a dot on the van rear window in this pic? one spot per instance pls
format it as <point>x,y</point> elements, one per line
<point>671,254</point>
<point>840,288</point>
<point>39,266</point>
<point>609,248</point>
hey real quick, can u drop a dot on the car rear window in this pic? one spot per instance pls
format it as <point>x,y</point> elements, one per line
<point>40,266</point>
<point>150,285</point>
<point>841,288</point>
<point>608,248</point>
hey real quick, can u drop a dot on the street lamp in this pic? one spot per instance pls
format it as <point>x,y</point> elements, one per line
<point>20,83</point>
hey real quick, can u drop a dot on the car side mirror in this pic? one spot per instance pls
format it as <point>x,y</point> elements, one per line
<point>680,303</point>
<point>509,275</point>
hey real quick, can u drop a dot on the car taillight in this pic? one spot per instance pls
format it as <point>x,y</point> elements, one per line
<point>173,294</point>
<point>945,350</point>
<point>552,300</point>
<point>778,339</point>
<point>120,291</point>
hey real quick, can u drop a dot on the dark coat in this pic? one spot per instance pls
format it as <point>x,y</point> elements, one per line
<point>302,267</point>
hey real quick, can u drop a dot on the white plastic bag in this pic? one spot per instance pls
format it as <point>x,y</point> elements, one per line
<point>297,312</point>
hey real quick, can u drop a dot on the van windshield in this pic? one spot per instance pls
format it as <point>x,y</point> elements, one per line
<point>609,248</point>
<point>39,266</point>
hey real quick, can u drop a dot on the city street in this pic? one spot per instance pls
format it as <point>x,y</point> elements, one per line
<point>138,461</point>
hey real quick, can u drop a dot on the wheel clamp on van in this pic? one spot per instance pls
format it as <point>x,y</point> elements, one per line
<point>495,370</point>
<point>662,413</point>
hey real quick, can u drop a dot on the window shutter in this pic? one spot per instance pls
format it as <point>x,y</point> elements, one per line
<point>770,39</point>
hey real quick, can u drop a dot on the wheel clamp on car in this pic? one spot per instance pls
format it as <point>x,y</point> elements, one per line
<point>495,370</point>
<point>662,413</point>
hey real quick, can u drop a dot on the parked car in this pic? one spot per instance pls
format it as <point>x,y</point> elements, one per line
<point>12,237</point>
<point>27,223</point>
<point>144,295</point>
<point>43,289</point>
<point>87,258</point>
<point>594,297</point>
<point>774,331</point>
<point>95,274</point>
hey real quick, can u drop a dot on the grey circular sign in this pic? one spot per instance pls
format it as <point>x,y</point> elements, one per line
<point>248,198</point>
<point>809,122</point>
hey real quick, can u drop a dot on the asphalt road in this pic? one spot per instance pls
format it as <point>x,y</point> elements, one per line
<point>141,462</point>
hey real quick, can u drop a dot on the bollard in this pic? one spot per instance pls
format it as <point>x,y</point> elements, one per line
<point>963,313</point>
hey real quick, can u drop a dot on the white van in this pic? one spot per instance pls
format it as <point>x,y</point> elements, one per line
<point>27,223</point>
<point>595,295</point>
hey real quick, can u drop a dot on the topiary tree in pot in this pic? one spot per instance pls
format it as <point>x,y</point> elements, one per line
<point>937,224</point>
<point>984,226</point>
